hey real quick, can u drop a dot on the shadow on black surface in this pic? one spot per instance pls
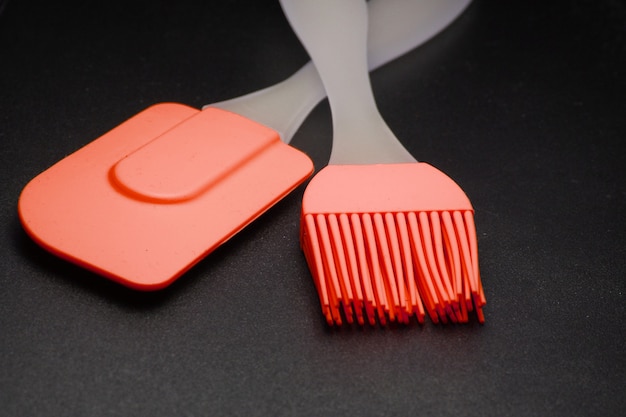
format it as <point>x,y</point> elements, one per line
<point>3,5</point>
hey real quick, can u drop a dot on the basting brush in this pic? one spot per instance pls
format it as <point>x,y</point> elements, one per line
<point>386,237</point>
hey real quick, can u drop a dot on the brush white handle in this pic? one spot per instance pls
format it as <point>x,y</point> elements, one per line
<point>335,35</point>
<point>395,27</point>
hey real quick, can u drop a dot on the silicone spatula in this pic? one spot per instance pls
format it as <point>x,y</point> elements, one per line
<point>147,200</point>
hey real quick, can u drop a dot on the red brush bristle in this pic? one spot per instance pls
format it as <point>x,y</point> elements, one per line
<point>393,266</point>
<point>389,264</point>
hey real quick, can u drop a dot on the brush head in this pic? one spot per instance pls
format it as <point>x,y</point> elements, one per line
<point>390,241</point>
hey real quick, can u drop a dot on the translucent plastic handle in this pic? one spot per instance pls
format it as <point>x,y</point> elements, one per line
<point>394,28</point>
<point>334,34</point>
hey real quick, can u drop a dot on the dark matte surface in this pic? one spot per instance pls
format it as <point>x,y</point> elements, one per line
<point>521,102</point>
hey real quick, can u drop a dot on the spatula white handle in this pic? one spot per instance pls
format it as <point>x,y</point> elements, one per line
<point>395,27</point>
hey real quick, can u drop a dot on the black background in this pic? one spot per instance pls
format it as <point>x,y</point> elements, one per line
<point>521,102</point>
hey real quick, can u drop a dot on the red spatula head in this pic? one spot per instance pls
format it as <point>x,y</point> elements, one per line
<point>147,200</point>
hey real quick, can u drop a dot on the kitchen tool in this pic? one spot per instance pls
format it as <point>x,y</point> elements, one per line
<point>384,235</point>
<point>146,201</point>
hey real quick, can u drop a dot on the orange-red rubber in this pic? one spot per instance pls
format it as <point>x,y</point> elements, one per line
<point>146,201</point>
<point>406,246</point>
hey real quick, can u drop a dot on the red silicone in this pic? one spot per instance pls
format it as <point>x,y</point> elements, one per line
<point>391,241</point>
<point>147,200</point>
